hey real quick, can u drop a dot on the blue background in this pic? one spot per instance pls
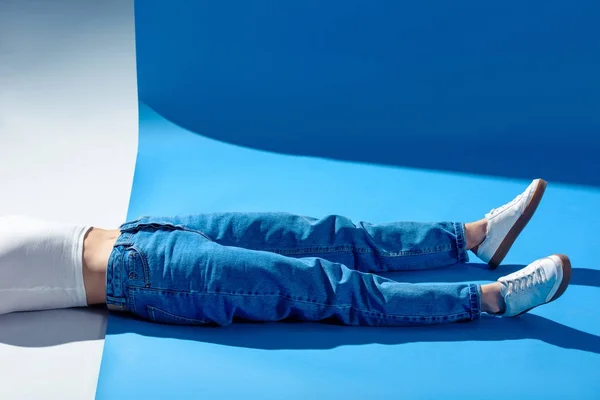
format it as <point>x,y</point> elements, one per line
<point>379,111</point>
<point>470,86</point>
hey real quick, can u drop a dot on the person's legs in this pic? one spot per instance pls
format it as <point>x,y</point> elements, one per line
<point>180,276</point>
<point>361,246</point>
<point>365,246</point>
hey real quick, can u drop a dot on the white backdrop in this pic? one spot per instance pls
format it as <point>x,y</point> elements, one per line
<point>68,142</point>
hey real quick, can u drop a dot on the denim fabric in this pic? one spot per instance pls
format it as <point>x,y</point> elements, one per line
<point>217,268</point>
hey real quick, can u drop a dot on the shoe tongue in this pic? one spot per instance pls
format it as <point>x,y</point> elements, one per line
<point>504,293</point>
<point>503,288</point>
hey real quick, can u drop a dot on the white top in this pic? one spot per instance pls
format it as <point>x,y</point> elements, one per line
<point>41,265</point>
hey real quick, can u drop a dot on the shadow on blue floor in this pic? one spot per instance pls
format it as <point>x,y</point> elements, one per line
<point>302,336</point>
<point>495,89</point>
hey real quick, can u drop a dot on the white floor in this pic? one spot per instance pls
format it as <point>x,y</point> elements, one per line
<point>68,142</point>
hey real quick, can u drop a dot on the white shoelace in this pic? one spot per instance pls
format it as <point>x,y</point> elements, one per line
<point>496,211</point>
<point>525,280</point>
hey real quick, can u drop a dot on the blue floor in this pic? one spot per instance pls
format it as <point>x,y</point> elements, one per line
<point>377,111</point>
<point>554,352</point>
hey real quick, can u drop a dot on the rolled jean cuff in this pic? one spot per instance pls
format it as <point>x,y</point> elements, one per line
<point>475,301</point>
<point>461,244</point>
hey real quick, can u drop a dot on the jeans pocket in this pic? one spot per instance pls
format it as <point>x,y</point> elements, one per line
<point>164,317</point>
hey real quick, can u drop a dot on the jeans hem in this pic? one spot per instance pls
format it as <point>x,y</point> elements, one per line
<point>461,244</point>
<point>475,301</point>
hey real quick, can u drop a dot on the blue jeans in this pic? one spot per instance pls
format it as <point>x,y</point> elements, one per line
<point>213,269</point>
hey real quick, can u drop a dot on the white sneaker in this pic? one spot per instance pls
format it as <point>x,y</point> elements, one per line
<point>541,282</point>
<point>506,223</point>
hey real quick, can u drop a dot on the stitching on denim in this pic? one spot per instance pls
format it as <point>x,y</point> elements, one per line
<point>152,312</point>
<point>374,313</point>
<point>351,249</point>
<point>144,261</point>
<point>131,300</point>
<point>116,275</point>
<point>474,301</point>
<point>124,239</point>
<point>461,249</point>
<point>140,226</point>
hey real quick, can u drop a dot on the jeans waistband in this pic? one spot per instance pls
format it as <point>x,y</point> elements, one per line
<point>116,274</point>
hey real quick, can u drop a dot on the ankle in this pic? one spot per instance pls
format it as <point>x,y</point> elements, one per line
<point>475,233</point>
<point>492,301</point>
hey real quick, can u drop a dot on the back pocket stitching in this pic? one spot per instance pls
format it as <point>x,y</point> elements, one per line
<point>152,311</point>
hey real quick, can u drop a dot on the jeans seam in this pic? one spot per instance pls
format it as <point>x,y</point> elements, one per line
<point>351,249</point>
<point>374,313</point>
<point>115,290</point>
<point>131,300</point>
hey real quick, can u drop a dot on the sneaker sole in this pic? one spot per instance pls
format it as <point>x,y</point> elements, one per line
<point>519,225</point>
<point>564,284</point>
<point>567,272</point>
